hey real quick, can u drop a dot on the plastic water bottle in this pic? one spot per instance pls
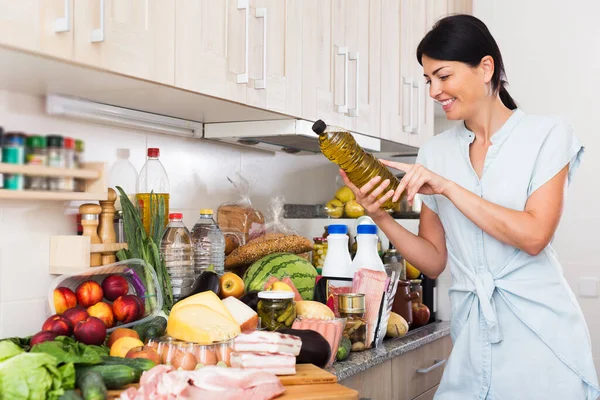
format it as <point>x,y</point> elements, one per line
<point>124,175</point>
<point>176,248</point>
<point>337,265</point>
<point>209,244</point>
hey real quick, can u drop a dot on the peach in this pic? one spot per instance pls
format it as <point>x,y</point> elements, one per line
<point>146,352</point>
<point>119,333</point>
<point>64,298</point>
<point>121,346</point>
<point>90,331</point>
<point>76,314</point>
<point>59,324</point>
<point>103,312</point>
<point>115,286</point>
<point>126,308</point>
<point>43,336</point>
<point>89,293</point>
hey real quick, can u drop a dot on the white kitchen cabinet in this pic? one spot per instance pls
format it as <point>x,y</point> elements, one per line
<point>44,26</point>
<point>135,38</point>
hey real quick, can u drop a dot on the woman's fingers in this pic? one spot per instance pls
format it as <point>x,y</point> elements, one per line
<point>406,179</point>
<point>378,190</point>
<point>379,203</point>
<point>396,165</point>
<point>367,187</point>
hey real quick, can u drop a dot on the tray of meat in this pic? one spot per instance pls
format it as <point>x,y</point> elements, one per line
<point>269,342</point>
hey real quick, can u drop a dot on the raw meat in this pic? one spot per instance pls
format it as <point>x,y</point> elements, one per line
<point>373,284</point>
<point>275,363</point>
<point>269,342</point>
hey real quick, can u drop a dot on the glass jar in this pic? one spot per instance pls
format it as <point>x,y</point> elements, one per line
<point>276,309</point>
<point>68,183</point>
<point>415,286</point>
<point>36,154</point>
<point>352,307</point>
<point>13,152</point>
<point>56,159</point>
<point>79,147</point>
<point>319,252</point>
<point>394,260</point>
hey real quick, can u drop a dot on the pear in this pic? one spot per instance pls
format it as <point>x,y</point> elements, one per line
<point>397,326</point>
<point>334,208</point>
<point>353,209</point>
<point>344,194</point>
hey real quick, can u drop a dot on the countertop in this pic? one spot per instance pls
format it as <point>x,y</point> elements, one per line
<point>361,361</point>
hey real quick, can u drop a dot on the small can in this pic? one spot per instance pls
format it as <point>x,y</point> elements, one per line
<point>319,252</point>
<point>276,309</point>
<point>13,152</point>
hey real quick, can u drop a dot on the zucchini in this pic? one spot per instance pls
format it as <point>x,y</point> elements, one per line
<point>114,376</point>
<point>70,395</point>
<point>142,364</point>
<point>154,328</point>
<point>91,385</point>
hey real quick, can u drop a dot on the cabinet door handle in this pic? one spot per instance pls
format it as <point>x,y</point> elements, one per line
<point>417,126</point>
<point>343,51</point>
<point>353,112</point>
<point>262,83</point>
<point>244,5</point>
<point>438,363</point>
<point>98,34</point>
<point>409,82</point>
<point>63,24</point>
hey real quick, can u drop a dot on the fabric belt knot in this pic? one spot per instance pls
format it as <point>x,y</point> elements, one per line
<point>484,289</point>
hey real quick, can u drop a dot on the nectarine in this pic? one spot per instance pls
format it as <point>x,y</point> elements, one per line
<point>103,312</point>
<point>43,336</point>
<point>64,298</point>
<point>59,324</point>
<point>119,333</point>
<point>76,314</point>
<point>121,346</point>
<point>90,331</point>
<point>126,308</point>
<point>115,286</point>
<point>89,293</point>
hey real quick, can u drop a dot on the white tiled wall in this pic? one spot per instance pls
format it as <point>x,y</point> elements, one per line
<point>197,170</point>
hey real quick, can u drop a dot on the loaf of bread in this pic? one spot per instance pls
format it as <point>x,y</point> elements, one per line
<point>240,218</point>
<point>257,249</point>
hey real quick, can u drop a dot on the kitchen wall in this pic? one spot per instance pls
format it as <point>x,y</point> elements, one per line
<point>197,170</point>
<point>550,51</point>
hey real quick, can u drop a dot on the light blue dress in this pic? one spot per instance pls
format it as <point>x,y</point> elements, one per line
<point>517,329</point>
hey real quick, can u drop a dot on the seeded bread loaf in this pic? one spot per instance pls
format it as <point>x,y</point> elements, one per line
<point>257,249</point>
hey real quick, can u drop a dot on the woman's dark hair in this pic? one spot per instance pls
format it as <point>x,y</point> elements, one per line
<point>466,39</point>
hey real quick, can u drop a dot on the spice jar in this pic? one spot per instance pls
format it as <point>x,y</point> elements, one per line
<point>79,147</point>
<point>36,154</point>
<point>276,309</point>
<point>319,253</point>
<point>68,183</point>
<point>13,152</point>
<point>352,307</point>
<point>56,159</point>
<point>415,286</point>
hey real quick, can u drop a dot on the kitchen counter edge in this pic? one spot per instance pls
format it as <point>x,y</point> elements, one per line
<point>361,361</point>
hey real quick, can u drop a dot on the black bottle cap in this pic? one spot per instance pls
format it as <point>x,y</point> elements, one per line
<point>319,127</point>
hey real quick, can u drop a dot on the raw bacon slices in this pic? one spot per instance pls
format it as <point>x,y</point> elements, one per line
<point>275,363</point>
<point>269,342</point>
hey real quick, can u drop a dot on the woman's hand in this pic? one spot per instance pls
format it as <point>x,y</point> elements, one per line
<point>417,179</point>
<point>369,201</point>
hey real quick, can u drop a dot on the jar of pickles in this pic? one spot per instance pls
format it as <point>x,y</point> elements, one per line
<point>319,253</point>
<point>352,307</point>
<point>276,309</point>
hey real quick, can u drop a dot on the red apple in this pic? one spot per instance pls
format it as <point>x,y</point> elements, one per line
<point>89,293</point>
<point>64,298</point>
<point>90,331</point>
<point>76,314</point>
<point>420,314</point>
<point>59,324</point>
<point>126,308</point>
<point>114,287</point>
<point>43,336</point>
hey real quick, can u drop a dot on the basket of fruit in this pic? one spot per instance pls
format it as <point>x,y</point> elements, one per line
<point>121,295</point>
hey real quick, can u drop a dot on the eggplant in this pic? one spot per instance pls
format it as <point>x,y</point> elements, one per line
<point>250,299</point>
<point>207,280</point>
<point>315,348</point>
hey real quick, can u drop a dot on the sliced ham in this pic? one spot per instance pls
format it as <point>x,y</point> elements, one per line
<point>373,284</point>
<point>269,342</point>
<point>275,363</point>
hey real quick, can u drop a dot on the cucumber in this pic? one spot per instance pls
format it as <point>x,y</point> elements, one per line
<point>154,328</point>
<point>142,364</point>
<point>91,385</point>
<point>70,395</point>
<point>114,376</point>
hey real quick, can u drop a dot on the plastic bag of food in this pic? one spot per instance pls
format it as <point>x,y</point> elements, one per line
<point>239,220</point>
<point>276,225</point>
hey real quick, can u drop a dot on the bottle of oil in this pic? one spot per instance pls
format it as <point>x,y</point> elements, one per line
<point>152,183</point>
<point>339,146</point>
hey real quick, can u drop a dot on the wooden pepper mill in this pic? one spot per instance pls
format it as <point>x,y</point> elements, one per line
<point>106,230</point>
<point>89,220</point>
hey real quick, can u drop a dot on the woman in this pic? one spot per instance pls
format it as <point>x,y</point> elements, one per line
<point>493,191</point>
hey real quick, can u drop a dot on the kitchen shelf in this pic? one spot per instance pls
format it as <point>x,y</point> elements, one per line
<point>107,248</point>
<point>91,173</point>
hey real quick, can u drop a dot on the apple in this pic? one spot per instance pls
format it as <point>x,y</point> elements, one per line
<point>90,331</point>
<point>76,314</point>
<point>119,333</point>
<point>144,352</point>
<point>43,336</point>
<point>115,286</point>
<point>89,293</point>
<point>231,285</point>
<point>103,312</point>
<point>420,314</point>
<point>127,308</point>
<point>64,298</point>
<point>59,324</point>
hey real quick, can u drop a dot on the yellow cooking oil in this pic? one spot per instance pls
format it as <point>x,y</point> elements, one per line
<point>339,146</point>
<point>143,201</point>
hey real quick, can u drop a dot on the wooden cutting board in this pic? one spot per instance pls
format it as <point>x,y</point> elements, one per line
<point>331,391</point>
<point>308,374</point>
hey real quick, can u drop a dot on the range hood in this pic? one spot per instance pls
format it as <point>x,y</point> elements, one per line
<point>293,136</point>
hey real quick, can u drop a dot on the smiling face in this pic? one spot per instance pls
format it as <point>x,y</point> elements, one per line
<point>457,86</point>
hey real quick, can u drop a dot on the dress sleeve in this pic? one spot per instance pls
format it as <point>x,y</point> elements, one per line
<point>560,147</point>
<point>429,200</point>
